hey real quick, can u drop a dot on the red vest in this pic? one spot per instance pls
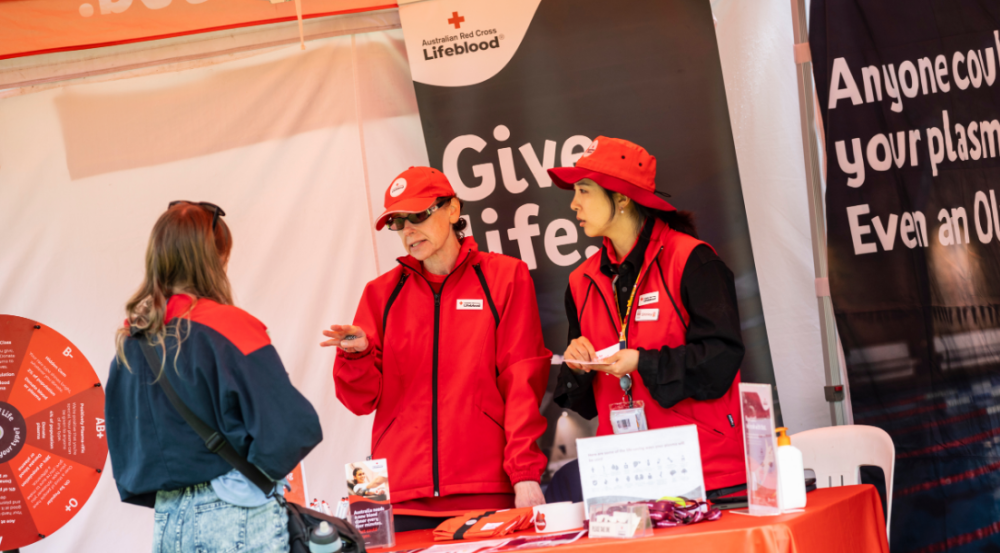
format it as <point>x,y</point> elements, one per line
<point>720,431</point>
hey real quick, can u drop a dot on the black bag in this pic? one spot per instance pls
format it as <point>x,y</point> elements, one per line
<point>301,521</point>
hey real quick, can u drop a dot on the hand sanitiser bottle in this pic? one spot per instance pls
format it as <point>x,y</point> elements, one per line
<point>791,472</point>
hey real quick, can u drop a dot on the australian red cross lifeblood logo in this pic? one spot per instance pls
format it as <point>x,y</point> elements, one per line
<point>398,187</point>
<point>467,41</point>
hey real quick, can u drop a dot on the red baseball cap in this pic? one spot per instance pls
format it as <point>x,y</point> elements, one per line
<point>619,166</point>
<point>414,190</point>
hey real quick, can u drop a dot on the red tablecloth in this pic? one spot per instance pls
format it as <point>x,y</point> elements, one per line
<point>845,519</point>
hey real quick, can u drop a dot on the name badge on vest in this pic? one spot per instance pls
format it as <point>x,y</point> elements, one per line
<point>649,298</point>
<point>470,304</point>
<point>646,315</point>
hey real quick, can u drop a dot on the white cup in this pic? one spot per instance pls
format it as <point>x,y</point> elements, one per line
<point>558,517</point>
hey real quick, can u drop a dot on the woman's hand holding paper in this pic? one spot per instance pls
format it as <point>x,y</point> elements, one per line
<point>580,350</point>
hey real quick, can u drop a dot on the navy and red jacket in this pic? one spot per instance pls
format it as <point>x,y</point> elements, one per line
<point>666,326</point>
<point>455,378</point>
<point>228,373</point>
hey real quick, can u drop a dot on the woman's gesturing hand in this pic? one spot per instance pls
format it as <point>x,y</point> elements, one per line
<point>579,349</point>
<point>349,338</point>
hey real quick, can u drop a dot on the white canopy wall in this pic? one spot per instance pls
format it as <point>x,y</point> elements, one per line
<point>298,147</point>
<point>275,137</point>
<point>758,64</point>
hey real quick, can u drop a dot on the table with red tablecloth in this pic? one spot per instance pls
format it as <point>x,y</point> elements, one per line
<point>844,519</point>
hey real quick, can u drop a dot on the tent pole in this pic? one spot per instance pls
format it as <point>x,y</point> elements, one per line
<point>810,147</point>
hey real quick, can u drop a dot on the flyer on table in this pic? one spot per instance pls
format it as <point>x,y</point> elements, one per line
<point>368,497</point>
<point>761,449</point>
<point>368,481</point>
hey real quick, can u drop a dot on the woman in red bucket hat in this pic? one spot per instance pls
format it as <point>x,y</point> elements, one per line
<point>446,349</point>
<point>654,315</point>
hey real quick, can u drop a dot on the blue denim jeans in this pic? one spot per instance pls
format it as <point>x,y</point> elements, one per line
<point>195,520</point>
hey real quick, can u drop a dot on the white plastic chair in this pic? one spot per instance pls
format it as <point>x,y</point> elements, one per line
<point>836,453</point>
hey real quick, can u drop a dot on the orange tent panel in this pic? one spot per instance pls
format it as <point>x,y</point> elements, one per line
<point>30,27</point>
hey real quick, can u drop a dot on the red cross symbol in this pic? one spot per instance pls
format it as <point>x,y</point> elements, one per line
<point>456,20</point>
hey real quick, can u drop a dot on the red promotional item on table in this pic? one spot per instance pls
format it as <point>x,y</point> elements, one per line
<point>52,441</point>
<point>484,524</point>
<point>667,514</point>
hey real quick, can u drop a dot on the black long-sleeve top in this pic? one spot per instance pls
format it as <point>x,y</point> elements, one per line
<point>704,367</point>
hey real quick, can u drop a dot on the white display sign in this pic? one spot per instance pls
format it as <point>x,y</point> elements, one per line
<point>641,466</point>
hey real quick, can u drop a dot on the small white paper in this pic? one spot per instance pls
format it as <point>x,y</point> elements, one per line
<point>598,362</point>
<point>602,356</point>
<point>608,351</point>
<point>491,526</point>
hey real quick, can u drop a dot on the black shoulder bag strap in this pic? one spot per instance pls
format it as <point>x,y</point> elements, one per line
<point>215,442</point>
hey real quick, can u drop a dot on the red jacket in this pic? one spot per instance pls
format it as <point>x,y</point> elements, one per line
<point>455,379</point>
<point>720,431</point>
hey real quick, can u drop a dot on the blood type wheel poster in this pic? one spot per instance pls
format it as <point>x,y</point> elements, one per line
<point>52,441</point>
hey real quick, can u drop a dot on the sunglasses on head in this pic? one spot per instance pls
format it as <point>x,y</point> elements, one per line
<point>397,222</point>
<point>216,210</point>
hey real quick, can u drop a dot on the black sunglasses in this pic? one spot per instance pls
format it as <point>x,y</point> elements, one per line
<point>399,221</point>
<point>216,210</point>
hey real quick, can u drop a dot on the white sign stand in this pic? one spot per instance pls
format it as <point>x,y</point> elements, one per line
<point>641,466</point>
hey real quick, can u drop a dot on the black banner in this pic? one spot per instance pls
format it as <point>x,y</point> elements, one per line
<point>647,71</point>
<point>910,104</point>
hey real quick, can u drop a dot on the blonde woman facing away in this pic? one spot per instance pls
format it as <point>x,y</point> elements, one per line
<point>222,365</point>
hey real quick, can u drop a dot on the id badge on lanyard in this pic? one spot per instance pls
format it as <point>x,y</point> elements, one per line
<point>628,416</point>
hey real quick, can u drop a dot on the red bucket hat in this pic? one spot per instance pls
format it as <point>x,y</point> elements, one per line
<point>413,191</point>
<point>619,166</point>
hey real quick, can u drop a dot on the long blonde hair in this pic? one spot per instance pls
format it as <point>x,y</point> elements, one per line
<point>185,255</point>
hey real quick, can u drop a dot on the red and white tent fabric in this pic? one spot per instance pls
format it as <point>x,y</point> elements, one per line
<point>33,27</point>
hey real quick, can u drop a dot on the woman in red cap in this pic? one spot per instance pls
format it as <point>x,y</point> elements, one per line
<point>658,306</point>
<point>447,350</point>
